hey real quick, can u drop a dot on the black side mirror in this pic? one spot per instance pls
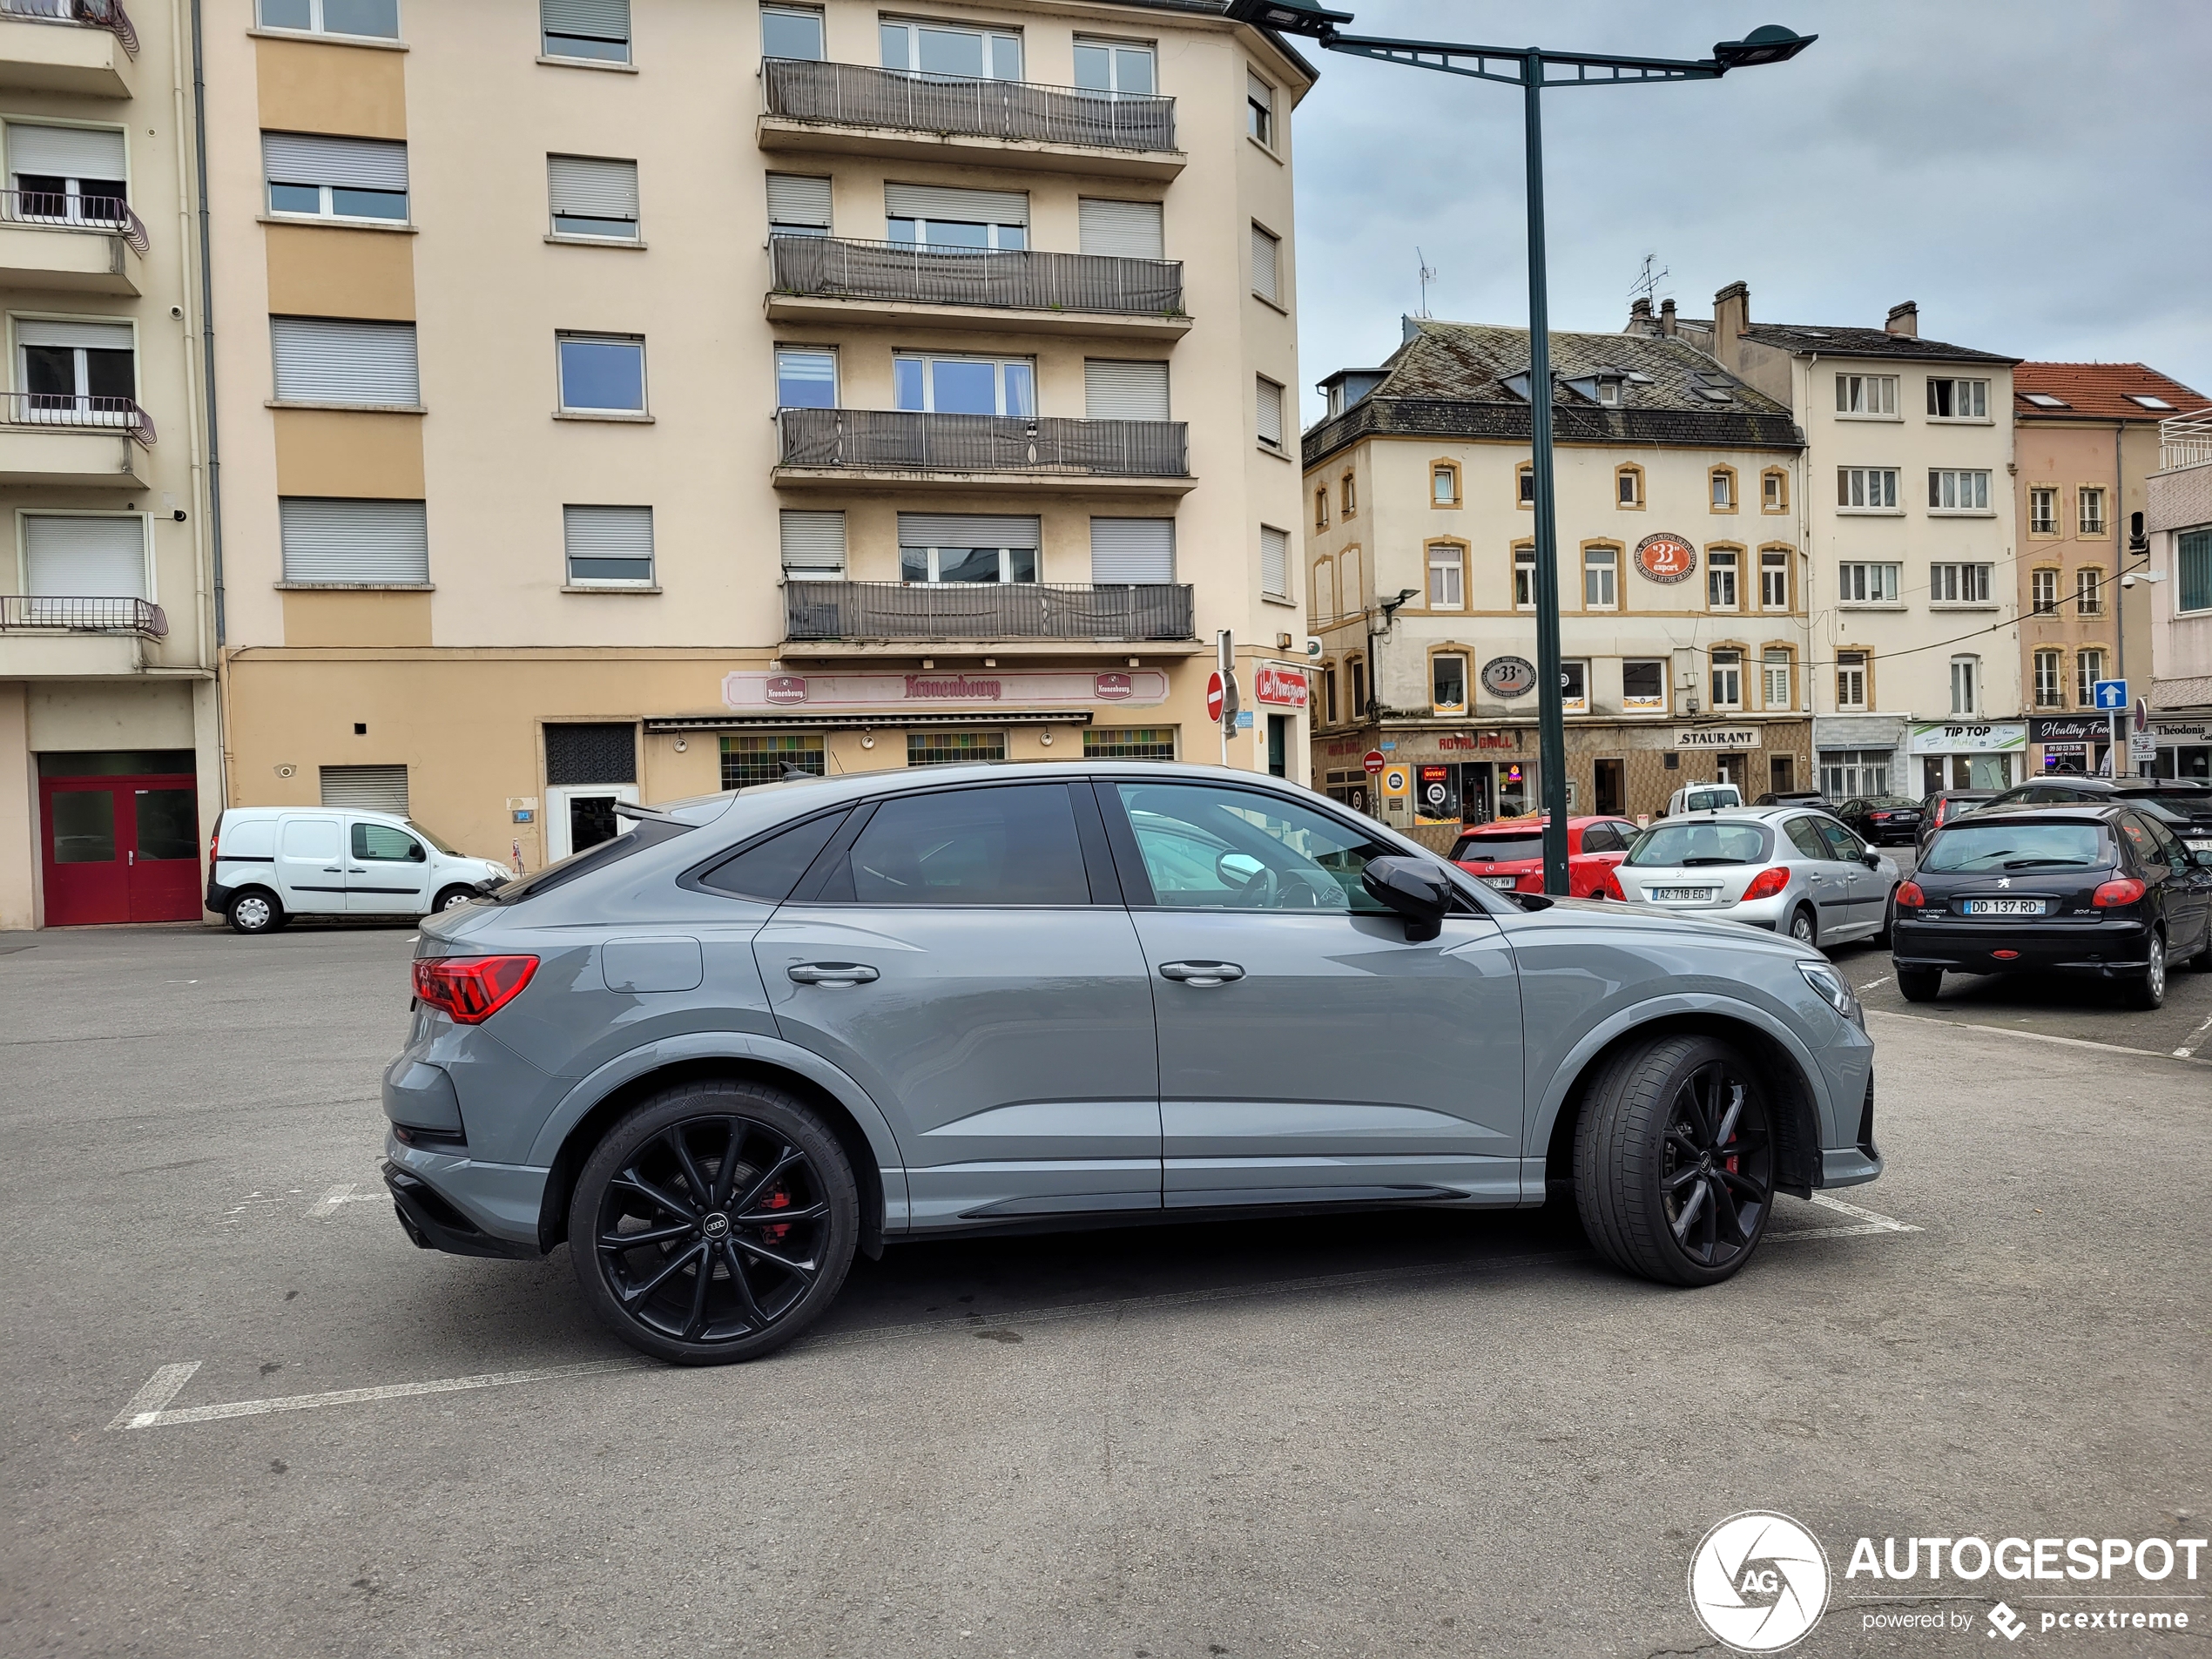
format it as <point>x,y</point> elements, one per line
<point>1415,889</point>
<point>1870,859</point>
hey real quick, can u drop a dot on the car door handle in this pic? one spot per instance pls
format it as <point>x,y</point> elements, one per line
<point>332,869</point>
<point>831,974</point>
<point>1201,975</point>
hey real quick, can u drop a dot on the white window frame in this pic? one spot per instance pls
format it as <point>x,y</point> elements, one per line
<point>1959,492</point>
<point>1259,110</point>
<point>1777,668</point>
<point>1602,577</point>
<point>2089,591</point>
<point>2043,591</point>
<point>2088,669</point>
<point>632,236</point>
<point>1865,397</point>
<point>1000,378</point>
<point>629,42</point>
<point>1867,582</point>
<point>1724,677</point>
<point>652,577</point>
<point>1876,487</point>
<point>147,589</point>
<point>1467,681</point>
<point>1447,560</point>
<point>1851,673</point>
<point>327,194</point>
<point>1262,388</point>
<point>1272,268</point>
<point>1570,671</point>
<point>1971,391</point>
<point>1113,48</point>
<point>1724,579</point>
<point>2040,521</point>
<point>1524,579</point>
<point>1633,703</point>
<point>315,24</point>
<point>1966,684</point>
<point>993,39</point>
<point>1774,562</point>
<point>813,14</point>
<point>597,411</point>
<point>1958,581</point>
<point>2049,688</point>
<point>837,372</point>
<point>2094,528</point>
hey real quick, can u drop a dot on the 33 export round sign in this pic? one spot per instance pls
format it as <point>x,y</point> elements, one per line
<point>1666,557</point>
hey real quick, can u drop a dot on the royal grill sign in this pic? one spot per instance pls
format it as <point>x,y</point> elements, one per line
<point>759,693</point>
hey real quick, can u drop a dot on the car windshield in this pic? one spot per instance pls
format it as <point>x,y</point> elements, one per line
<point>1487,849</point>
<point>1889,804</point>
<point>434,839</point>
<point>1711,800</point>
<point>2018,846</point>
<point>1678,845</point>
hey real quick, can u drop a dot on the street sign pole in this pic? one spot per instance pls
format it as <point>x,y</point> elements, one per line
<point>1225,660</point>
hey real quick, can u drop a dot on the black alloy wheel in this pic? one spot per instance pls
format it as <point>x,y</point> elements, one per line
<point>1718,1172</point>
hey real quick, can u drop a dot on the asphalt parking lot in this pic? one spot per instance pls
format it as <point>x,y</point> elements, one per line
<point>1422,1434</point>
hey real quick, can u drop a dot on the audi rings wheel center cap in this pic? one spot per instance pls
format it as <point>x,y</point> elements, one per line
<point>716,1225</point>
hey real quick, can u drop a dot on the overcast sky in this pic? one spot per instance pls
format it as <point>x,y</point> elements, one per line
<point>2036,173</point>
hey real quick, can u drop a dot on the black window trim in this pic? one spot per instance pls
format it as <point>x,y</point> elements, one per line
<point>809,890</point>
<point>695,877</point>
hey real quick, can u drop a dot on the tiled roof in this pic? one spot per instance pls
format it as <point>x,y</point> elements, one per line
<point>2100,390</point>
<point>1449,381</point>
<point>1863,343</point>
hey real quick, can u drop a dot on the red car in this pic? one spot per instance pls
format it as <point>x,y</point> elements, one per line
<point>1510,855</point>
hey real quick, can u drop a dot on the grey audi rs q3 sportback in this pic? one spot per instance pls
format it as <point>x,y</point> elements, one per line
<point>757,1032</point>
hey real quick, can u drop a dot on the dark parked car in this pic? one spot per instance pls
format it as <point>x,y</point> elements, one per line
<point>1947,805</point>
<point>1882,819</point>
<point>2107,890</point>
<point>1790,798</point>
<point>2185,805</point>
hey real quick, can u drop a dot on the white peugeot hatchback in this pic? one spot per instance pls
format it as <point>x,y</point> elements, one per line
<point>269,864</point>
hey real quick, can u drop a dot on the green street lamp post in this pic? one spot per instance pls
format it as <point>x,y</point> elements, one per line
<point>1532,68</point>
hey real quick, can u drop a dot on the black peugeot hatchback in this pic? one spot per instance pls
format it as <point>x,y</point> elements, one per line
<point>2105,890</point>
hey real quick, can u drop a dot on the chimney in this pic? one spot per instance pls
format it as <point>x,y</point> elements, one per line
<point>1667,317</point>
<point>1731,316</point>
<point>1904,319</point>
<point>1639,316</point>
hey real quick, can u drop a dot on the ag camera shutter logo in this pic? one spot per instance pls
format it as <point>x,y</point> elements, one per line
<point>1758,1583</point>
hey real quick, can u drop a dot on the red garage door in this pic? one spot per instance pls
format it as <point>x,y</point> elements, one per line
<point>120,847</point>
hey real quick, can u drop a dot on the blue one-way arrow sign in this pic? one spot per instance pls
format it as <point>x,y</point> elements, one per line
<point>2111,694</point>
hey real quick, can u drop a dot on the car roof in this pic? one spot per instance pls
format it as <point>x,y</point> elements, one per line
<point>1522,826</point>
<point>1740,815</point>
<point>2076,811</point>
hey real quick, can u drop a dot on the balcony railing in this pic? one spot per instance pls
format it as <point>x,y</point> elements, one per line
<point>120,415</point>
<point>63,614</point>
<point>85,14</point>
<point>831,269</point>
<point>43,208</point>
<point>2185,440</point>
<point>895,441</point>
<point>945,611</point>
<point>854,95</point>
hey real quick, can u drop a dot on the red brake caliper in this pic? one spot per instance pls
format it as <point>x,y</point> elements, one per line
<point>780,1199</point>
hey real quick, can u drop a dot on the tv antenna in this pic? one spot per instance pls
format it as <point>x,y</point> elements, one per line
<point>1428,275</point>
<point>1646,287</point>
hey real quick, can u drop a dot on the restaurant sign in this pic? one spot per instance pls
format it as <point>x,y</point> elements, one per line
<point>1283,686</point>
<point>756,692</point>
<point>1716,737</point>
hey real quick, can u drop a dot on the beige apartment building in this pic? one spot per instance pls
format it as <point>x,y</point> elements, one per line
<point>1682,577</point>
<point>633,399</point>
<point>2177,569</point>
<point>108,748</point>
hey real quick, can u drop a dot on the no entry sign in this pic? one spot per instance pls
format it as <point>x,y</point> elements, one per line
<point>1373,762</point>
<point>1213,696</point>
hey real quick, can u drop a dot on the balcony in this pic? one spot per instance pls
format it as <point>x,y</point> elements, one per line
<point>858,617</point>
<point>56,636</point>
<point>72,245</point>
<point>892,448</point>
<point>850,108</point>
<point>81,441</point>
<point>819,278</point>
<point>83,47</point>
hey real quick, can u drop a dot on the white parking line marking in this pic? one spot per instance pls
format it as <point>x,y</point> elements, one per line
<point>2188,1043</point>
<point>337,1198</point>
<point>162,1390</point>
<point>2035,1036</point>
<point>1871,983</point>
<point>145,1406</point>
<point>1875,1222</point>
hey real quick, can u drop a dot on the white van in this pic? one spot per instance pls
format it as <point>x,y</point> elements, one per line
<point>1703,798</point>
<point>269,864</point>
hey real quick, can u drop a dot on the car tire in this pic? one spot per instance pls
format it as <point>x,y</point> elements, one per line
<point>1645,1204</point>
<point>1803,928</point>
<point>451,898</point>
<point>2147,990</point>
<point>1920,984</point>
<point>1883,939</point>
<point>678,1171</point>
<point>254,910</point>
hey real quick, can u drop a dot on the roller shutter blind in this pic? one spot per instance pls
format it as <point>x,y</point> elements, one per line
<point>968,529</point>
<point>796,200</point>
<point>68,152</point>
<point>1274,563</point>
<point>84,556</point>
<point>618,533</point>
<point>93,336</point>
<point>1125,229</point>
<point>586,19</point>
<point>322,360</point>
<point>813,541</point>
<point>1266,265</point>
<point>1270,401</point>
<point>1132,550</point>
<point>1125,391</point>
<point>354,541</point>
<point>366,789</point>
<point>358,164</point>
<point>590,187</point>
<point>968,207</point>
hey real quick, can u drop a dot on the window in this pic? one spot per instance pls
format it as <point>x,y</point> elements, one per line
<point>1966,684</point>
<point>2043,511</point>
<point>1628,486</point>
<point>602,374</point>
<point>940,216</point>
<point>2045,401</point>
<point>334,177</point>
<point>1209,847</point>
<point>1525,483</point>
<point>1949,399</point>
<point>1259,109</point>
<point>387,843</point>
<point>1349,494</point>
<point>1448,682</point>
<point>965,385</point>
<point>1774,669</point>
<point>1851,683</point>
<point>1575,687</point>
<point>761,758</point>
<point>1774,490</point>
<point>1126,391</point>
<point>85,556</point>
<point>1131,551</point>
<point>596,29</point>
<point>967,547</point>
<point>597,198</point>
<point>797,205</point>
<point>1130,742</point>
<point>1870,488</point>
<point>1328,696</point>
<point>320,359</point>
<point>1321,507</point>
<point>68,175</point>
<point>1268,398</point>
<point>944,50</point>
<point>1958,584</point>
<point>1274,563</point>
<point>1724,489</point>
<point>1873,394</point>
<point>1600,579</point>
<point>1721,570</point>
<point>378,19</point>
<point>1444,484</point>
<point>1358,676</point>
<point>76,373</point>
<point>1866,584</point>
<point>1955,491</point>
<point>953,748</point>
<point>2088,669</point>
<point>805,379</point>
<point>2092,512</point>
<point>1845,773</point>
<point>1774,578</point>
<point>2089,592</point>
<point>2193,570</point>
<point>1447,576</point>
<point>2050,682</point>
<point>791,31</point>
<point>354,543</point>
<point>1324,588</point>
<point>608,546</point>
<point>1013,844</point>
<point>813,545</point>
<point>1728,679</point>
<point>2043,591</point>
<point>1118,66</point>
<point>1267,261</point>
<point>1643,687</point>
<point>1119,230</point>
<point>1524,579</point>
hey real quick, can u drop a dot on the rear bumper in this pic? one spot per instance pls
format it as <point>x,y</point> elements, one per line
<point>449,1201</point>
<point>2108,949</point>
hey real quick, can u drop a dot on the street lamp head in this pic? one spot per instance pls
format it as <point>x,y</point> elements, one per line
<point>1769,43</point>
<point>1289,17</point>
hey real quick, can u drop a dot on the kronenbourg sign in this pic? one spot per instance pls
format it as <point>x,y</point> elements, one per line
<point>750,692</point>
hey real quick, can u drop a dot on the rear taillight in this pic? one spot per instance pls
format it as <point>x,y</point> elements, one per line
<point>1767,883</point>
<point>214,844</point>
<point>472,988</point>
<point>1909,896</point>
<point>2113,894</point>
<point>1608,886</point>
<point>1942,807</point>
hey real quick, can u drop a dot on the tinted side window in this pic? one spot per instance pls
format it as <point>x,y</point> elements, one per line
<point>1805,838</point>
<point>1207,848</point>
<point>1011,845</point>
<point>1598,838</point>
<point>383,844</point>
<point>2141,837</point>
<point>769,870</point>
<point>2169,845</point>
<point>1842,844</point>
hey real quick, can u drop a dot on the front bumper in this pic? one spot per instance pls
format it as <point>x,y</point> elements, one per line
<point>2109,948</point>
